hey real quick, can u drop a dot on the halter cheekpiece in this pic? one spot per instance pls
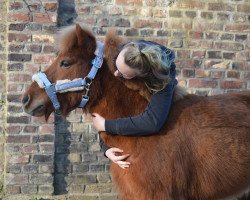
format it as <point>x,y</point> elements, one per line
<point>62,86</point>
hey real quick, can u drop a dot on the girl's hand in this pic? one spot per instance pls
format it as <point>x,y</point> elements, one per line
<point>98,122</point>
<point>111,154</point>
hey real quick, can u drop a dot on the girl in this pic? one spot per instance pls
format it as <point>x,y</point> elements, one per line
<point>154,65</point>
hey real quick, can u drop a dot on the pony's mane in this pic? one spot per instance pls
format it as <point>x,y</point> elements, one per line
<point>66,37</point>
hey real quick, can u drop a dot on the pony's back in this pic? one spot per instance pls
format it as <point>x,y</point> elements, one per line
<point>203,151</point>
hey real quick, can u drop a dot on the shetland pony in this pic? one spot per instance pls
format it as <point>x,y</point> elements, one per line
<point>202,152</point>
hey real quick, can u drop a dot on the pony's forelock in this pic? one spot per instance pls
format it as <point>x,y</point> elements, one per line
<point>66,37</point>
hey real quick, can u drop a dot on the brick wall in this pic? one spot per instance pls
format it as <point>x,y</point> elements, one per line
<point>29,141</point>
<point>211,41</point>
<point>2,89</point>
<point>210,38</point>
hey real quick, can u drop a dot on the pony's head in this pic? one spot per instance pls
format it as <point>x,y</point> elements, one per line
<point>76,50</point>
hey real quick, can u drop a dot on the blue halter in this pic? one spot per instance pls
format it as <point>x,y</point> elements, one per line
<point>51,88</point>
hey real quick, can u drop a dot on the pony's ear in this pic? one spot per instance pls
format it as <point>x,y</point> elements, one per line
<point>112,44</point>
<point>85,38</point>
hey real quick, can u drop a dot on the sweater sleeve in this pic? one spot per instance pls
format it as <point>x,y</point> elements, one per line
<point>147,123</point>
<point>103,146</point>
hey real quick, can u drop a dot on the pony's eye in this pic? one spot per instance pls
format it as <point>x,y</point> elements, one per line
<point>65,64</point>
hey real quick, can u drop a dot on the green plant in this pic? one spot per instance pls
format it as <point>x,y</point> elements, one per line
<point>1,188</point>
<point>37,198</point>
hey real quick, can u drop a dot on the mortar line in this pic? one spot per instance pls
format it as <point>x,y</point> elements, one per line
<point>6,90</point>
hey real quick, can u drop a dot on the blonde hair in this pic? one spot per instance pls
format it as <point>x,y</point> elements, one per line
<point>152,62</point>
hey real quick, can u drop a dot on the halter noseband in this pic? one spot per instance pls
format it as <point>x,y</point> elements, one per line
<point>67,85</point>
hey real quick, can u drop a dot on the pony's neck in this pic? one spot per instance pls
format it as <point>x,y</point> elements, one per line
<point>117,100</point>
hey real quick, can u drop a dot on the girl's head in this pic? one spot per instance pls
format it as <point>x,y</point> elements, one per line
<point>147,62</point>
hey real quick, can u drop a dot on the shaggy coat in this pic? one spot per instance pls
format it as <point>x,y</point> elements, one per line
<point>203,151</point>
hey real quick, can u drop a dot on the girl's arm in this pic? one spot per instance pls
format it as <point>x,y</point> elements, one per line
<point>150,121</point>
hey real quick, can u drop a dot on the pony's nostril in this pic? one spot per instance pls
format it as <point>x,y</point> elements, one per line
<point>26,99</point>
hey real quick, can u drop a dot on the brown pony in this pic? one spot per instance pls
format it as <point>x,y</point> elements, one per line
<point>202,153</point>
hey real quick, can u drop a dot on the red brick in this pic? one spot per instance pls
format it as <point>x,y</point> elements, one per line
<point>13,189</point>
<point>19,57</point>
<point>212,35</point>
<point>159,13</point>
<point>19,77</point>
<point>43,59</point>
<point>229,46</point>
<point>89,20</point>
<point>30,149</point>
<point>16,5</point>
<point>175,13</point>
<point>240,37</point>
<point>142,23</point>
<point>196,35</point>
<point>17,179</point>
<point>237,65</point>
<point>49,49</point>
<point>129,2</point>
<point>232,85</point>
<point>193,43</point>
<point>217,74</point>
<point>233,74</point>
<point>188,63</point>
<point>239,18</point>
<point>18,159</point>
<point>243,8</point>
<point>51,7</point>
<point>13,130</point>
<point>190,5</point>
<point>120,22</point>
<point>41,120</point>
<point>223,16</point>
<point>19,17</point>
<point>15,120</point>
<point>17,27</point>
<point>216,64</point>
<point>246,76</point>
<point>47,148</point>
<point>179,24</point>
<point>151,3</point>
<point>183,54</point>
<point>36,48</point>
<point>227,36</point>
<point>31,68</point>
<point>200,73</point>
<point>198,83</point>
<point>30,129</point>
<point>46,129</point>
<point>187,73</point>
<point>220,6</point>
<point>237,27</point>
<point>129,11</point>
<point>207,15</point>
<point>16,48</point>
<point>42,18</point>
<point>206,44</point>
<point>160,41</point>
<point>191,14</point>
<point>243,56</point>
<point>19,37</point>
<point>229,55</point>
<point>214,54</point>
<point>18,139</point>
<point>86,9</point>
<point>199,54</point>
